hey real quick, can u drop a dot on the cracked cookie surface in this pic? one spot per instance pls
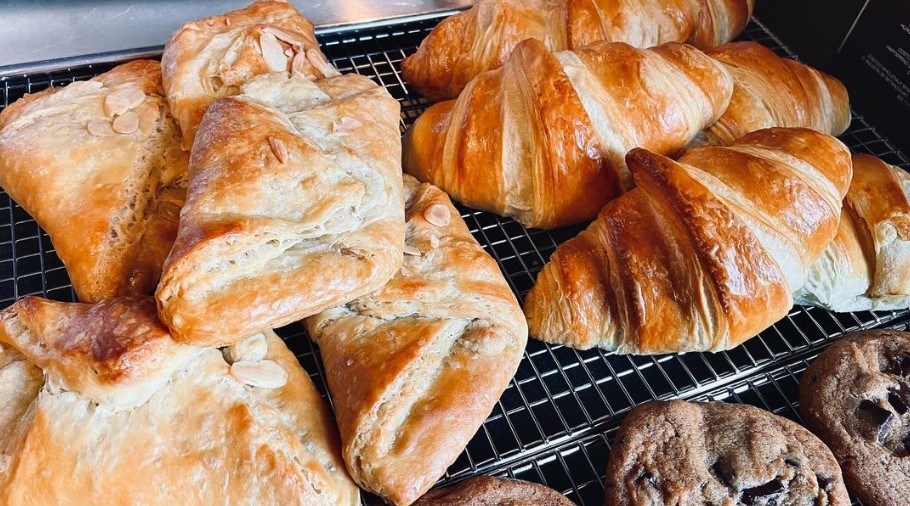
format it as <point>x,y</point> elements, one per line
<point>686,453</point>
<point>856,397</point>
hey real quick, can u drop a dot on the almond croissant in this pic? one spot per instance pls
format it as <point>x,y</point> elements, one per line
<point>543,138</point>
<point>483,37</point>
<point>704,254</point>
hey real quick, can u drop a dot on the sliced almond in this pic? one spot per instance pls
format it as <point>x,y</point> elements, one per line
<point>302,65</point>
<point>116,104</point>
<point>126,124</point>
<point>317,59</point>
<point>134,97</point>
<point>289,52</point>
<point>252,348</point>
<point>279,149</point>
<point>148,119</point>
<point>272,52</point>
<point>289,37</point>
<point>262,373</point>
<point>410,249</point>
<point>437,214</point>
<point>227,21</point>
<point>100,127</point>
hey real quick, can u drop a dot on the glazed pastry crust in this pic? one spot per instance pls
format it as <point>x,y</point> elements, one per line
<point>703,254</point>
<point>543,139</point>
<point>295,215</point>
<point>124,401</point>
<point>108,200</point>
<point>416,367</point>
<point>467,44</point>
<point>867,266</point>
<point>770,91</point>
<point>214,57</point>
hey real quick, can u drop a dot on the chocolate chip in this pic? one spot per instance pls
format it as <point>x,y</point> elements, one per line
<point>877,415</point>
<point>724,472</point>
<point>906,442</point>
<point>792,462</point>
<point>894,398</point>
<point>899,366</point>
<point>768,490</point>
<point>647,476</point>
<point>824,482</point>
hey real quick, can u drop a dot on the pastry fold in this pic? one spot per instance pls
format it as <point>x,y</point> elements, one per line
<point>415,367</point>
<point>98,165</point>
<point>294,206</point>
<point>100,406</point>
<point>214,57</point>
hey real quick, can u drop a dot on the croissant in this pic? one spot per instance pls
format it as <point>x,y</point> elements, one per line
<point>98,165</point>
<point>294,206</point>
<point>770,91</point>
<point>100,405</point>
<point>415,368</point>
<point>867,266</point>
<point>214,57</point>
<point>482,38</point>
<point>703,254</point>
<point>546,147</point>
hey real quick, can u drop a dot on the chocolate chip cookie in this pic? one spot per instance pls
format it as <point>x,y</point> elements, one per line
<point>693,453</point>
<point>490,491</point>
<point>856,397</point>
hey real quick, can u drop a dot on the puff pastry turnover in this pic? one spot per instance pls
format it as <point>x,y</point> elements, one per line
<point>294,206</point>
<point>98,165</point>
<point>213,57</point>
<point>703,254</point>
<point>98,405</point>
<point>867,266</point>
<point>416,367</point>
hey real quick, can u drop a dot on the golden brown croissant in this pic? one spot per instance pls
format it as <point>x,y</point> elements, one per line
<point>482,38</point>
<point>294,206</point>
<point>213,57</point>
<point>416,367</point>
<point>543,138</point>
<point>867,266</point>
<point>703,254</point>
<point>99,405</point>
<point>770,91</point>
<point>98,165</point>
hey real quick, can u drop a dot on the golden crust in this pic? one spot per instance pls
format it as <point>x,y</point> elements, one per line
<point>62,160</point>
<point>198,437</point>
<point>770,91</point>
<point>416,367</point>
<point>482,38</point>
<point>296,215</point>
<point>546,146</point>
<point>214,57</point>
<point>867,266</point>
<point>701,256</point>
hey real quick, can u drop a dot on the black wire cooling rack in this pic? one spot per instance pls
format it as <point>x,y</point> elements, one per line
<point>554,422</point>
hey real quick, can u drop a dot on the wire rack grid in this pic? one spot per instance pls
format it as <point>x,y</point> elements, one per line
<point>554,421</point>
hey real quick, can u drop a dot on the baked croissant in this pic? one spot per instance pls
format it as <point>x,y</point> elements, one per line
<point>703,254</point>
<point>98,165</point>
<point>294,206</point>
<point>415,368</point>
<point>867,266</point>
<point>770,91</point>
<point>98,405</point>
<point>214,57</point>
<point>482,38</point>
<point>547,147</point>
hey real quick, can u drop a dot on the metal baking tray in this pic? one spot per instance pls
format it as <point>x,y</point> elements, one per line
<point>554,423</point>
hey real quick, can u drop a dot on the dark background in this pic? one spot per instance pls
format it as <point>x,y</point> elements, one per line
<point>864,43</point>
